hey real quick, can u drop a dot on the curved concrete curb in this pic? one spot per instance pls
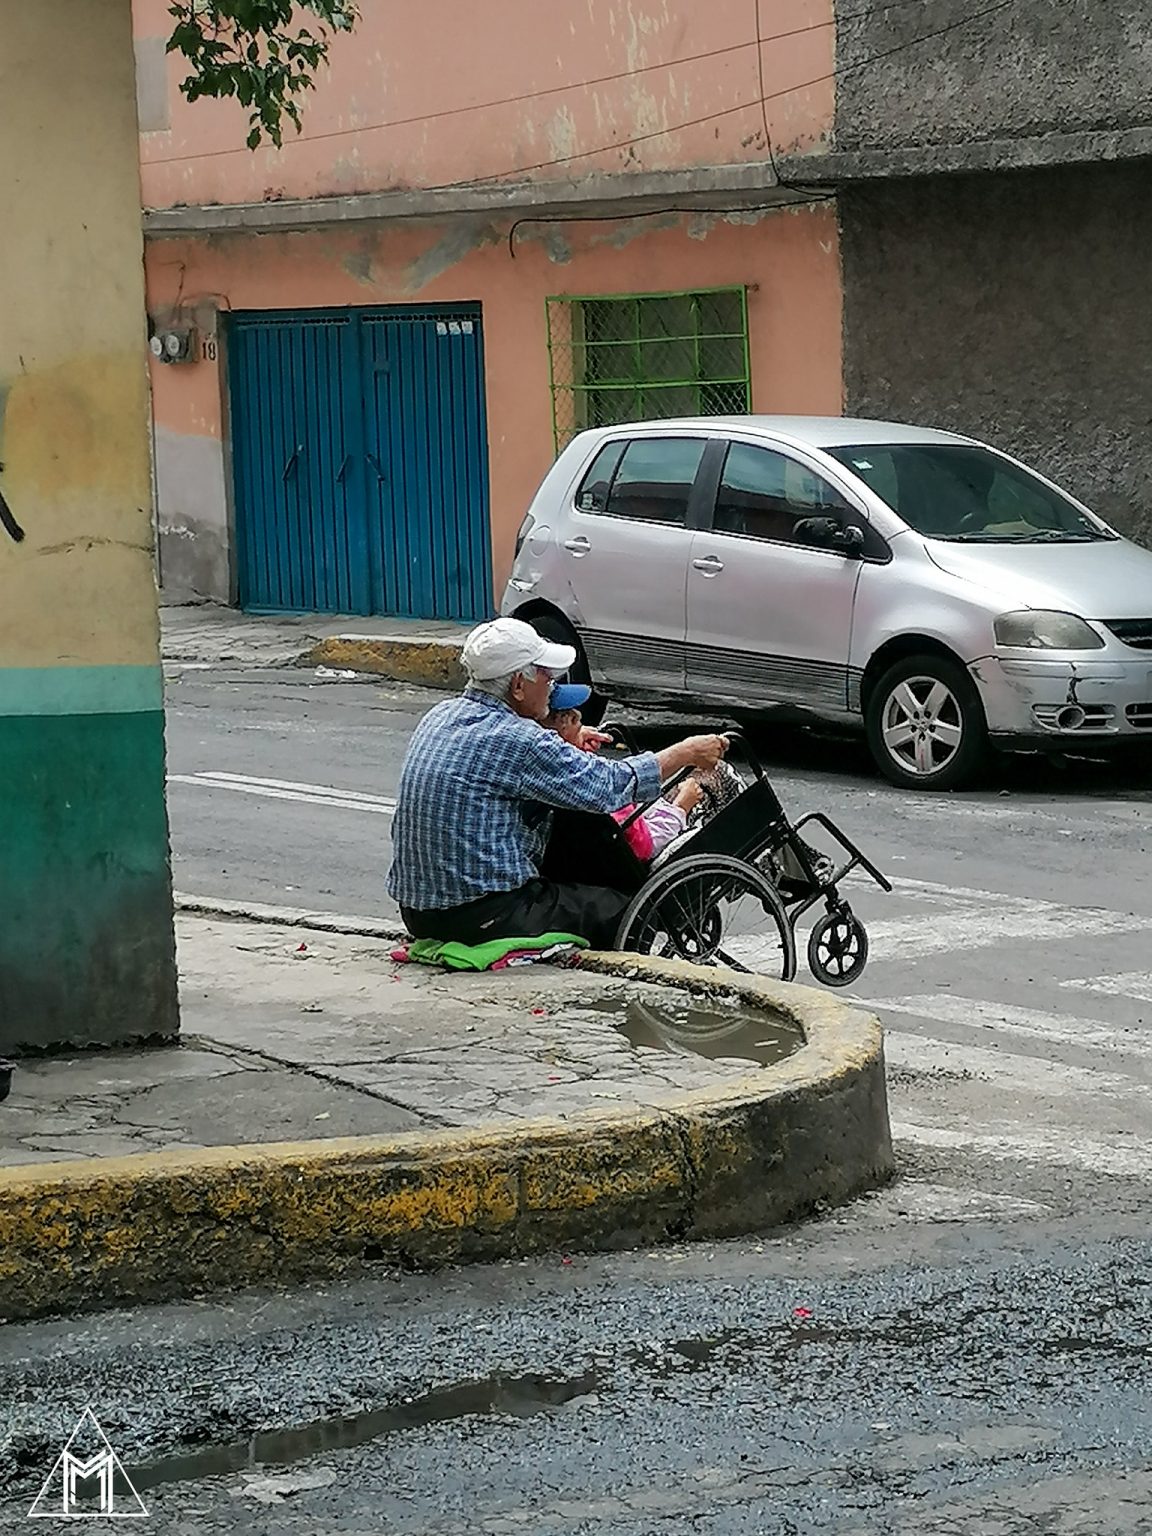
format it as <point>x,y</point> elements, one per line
<point>429,663</point>
<point>811,1130</point>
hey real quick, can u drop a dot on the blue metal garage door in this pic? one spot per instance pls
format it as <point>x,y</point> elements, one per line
<point>360,462</point>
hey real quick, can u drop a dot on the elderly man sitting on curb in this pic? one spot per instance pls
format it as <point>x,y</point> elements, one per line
<point>477,790</point>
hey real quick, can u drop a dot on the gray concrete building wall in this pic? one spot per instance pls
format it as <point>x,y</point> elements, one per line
<point>1030,68</point>
<point>1013,307</point>
<point>193,525</point>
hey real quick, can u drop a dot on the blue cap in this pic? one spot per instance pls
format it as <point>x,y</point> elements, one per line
<point>568,696</point>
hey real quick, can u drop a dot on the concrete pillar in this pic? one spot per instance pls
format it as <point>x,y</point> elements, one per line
<point>86,946</point>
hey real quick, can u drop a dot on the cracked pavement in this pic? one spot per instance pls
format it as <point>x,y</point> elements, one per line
<point>291,1034</point>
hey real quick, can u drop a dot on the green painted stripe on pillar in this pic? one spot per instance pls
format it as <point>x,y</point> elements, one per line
<point>80,690</point>
<point>86,948</point>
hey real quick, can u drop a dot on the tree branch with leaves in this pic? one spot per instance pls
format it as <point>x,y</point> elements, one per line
<point>265,53</point>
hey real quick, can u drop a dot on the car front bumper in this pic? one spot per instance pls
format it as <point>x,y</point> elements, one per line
<point>1065,701</point>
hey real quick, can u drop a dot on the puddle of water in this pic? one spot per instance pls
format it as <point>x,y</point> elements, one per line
<point>698,1027</point>
<point>515,1396</point>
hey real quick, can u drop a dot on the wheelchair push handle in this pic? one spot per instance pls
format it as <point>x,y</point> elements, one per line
<point>738,738</point>
<point>622,736</point>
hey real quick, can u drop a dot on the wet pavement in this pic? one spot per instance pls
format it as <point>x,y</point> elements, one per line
<point>867,1375</point>
<point>964,1354</point>
<point>291,1034</point>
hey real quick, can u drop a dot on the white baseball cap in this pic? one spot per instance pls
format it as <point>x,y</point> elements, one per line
<point>504,646</point>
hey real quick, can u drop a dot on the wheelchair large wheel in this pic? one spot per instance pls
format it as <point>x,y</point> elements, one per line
<point>712,910</point>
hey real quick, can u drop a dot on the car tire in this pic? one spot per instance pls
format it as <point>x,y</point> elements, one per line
<point>926,725</point>
<point>557,629</point>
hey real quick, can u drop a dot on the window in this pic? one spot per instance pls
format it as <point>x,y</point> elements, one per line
<point>648,357</point>
<point>652,482</point>
<point>593,493</point>
<point>958,491</point>
<point>764,494</point>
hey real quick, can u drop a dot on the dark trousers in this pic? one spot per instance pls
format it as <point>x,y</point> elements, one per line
<point>591,912</point>
<point>581,844</point>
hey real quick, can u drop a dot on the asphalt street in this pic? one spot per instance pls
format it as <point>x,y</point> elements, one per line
<point>1011,963</point>
<point>966,1352</point>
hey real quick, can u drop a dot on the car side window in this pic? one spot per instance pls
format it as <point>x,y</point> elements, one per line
<point>593,493</point>
<point>654,480</point>
<point>764,494</point>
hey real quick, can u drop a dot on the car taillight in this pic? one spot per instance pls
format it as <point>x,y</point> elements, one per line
<point>525,530</point>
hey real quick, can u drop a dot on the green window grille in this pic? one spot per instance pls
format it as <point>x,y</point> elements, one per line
<point>637,357</point>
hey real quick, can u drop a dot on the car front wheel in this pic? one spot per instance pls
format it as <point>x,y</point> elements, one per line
<point>926,725</point>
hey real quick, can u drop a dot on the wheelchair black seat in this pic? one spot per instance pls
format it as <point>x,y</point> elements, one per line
<point>586,848</point>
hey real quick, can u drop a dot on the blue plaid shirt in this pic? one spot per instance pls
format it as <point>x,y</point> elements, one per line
<point>473,812</point>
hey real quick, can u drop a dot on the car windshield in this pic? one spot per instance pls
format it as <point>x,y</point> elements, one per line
<point>966,493</point>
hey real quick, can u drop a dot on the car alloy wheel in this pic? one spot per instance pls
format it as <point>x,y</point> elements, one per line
<point>926,725</point>
<point>923,725</point>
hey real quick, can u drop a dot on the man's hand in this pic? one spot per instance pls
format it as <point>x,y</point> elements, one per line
<point>695,752</point>
<point>705,751</point>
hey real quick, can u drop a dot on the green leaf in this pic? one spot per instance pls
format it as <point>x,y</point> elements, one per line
<point>252,50</point>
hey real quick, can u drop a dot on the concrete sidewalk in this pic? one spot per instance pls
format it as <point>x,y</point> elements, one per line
<point>328,1106</point>
<point>292,1033</point>
<point>403,650</point>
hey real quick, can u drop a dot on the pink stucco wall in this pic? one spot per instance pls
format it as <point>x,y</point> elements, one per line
<point>787,258</point>
<point>440,92</point>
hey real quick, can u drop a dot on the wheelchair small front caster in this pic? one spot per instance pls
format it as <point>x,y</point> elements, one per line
<point>838,948</point>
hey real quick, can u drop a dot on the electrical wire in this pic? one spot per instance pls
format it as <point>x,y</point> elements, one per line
<point>672,208</point>
<point>780,182</point>
<point>555,90</point>
<point>642,138</point>
<point>802,200</point>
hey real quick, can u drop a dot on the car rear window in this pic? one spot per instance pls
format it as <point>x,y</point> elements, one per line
<point>593,493</point>
<point>650,481</point>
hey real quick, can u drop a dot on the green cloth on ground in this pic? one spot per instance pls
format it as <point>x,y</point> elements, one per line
<point>481,957</point>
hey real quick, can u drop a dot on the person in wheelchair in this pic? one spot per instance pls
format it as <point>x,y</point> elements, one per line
<point>689,805</point>
<point>657,825</point>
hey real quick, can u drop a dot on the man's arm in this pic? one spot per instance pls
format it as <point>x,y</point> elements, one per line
<point>566,777</point>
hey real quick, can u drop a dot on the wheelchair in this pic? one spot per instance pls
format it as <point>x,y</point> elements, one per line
<point>730,891</point>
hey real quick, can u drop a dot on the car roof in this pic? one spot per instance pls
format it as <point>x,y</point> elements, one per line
<point>805,431</point>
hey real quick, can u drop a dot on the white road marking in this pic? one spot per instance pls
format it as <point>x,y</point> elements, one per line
<point>319,789</point>
<point>1136,984</point>
<point>1083,812</point>
<point>1006,1069</point>
<point>1130,1159</point>
<point>918,935</point>
<point>1060,1029</point>
<point>973,893</point>
<point>976,919</point>
<point>287,789</point>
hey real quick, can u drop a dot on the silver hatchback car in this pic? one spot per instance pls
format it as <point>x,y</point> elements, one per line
<point>924,585</point>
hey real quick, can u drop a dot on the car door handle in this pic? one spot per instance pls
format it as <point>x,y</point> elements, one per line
<point>577,546</point>
<point>711,565</point>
